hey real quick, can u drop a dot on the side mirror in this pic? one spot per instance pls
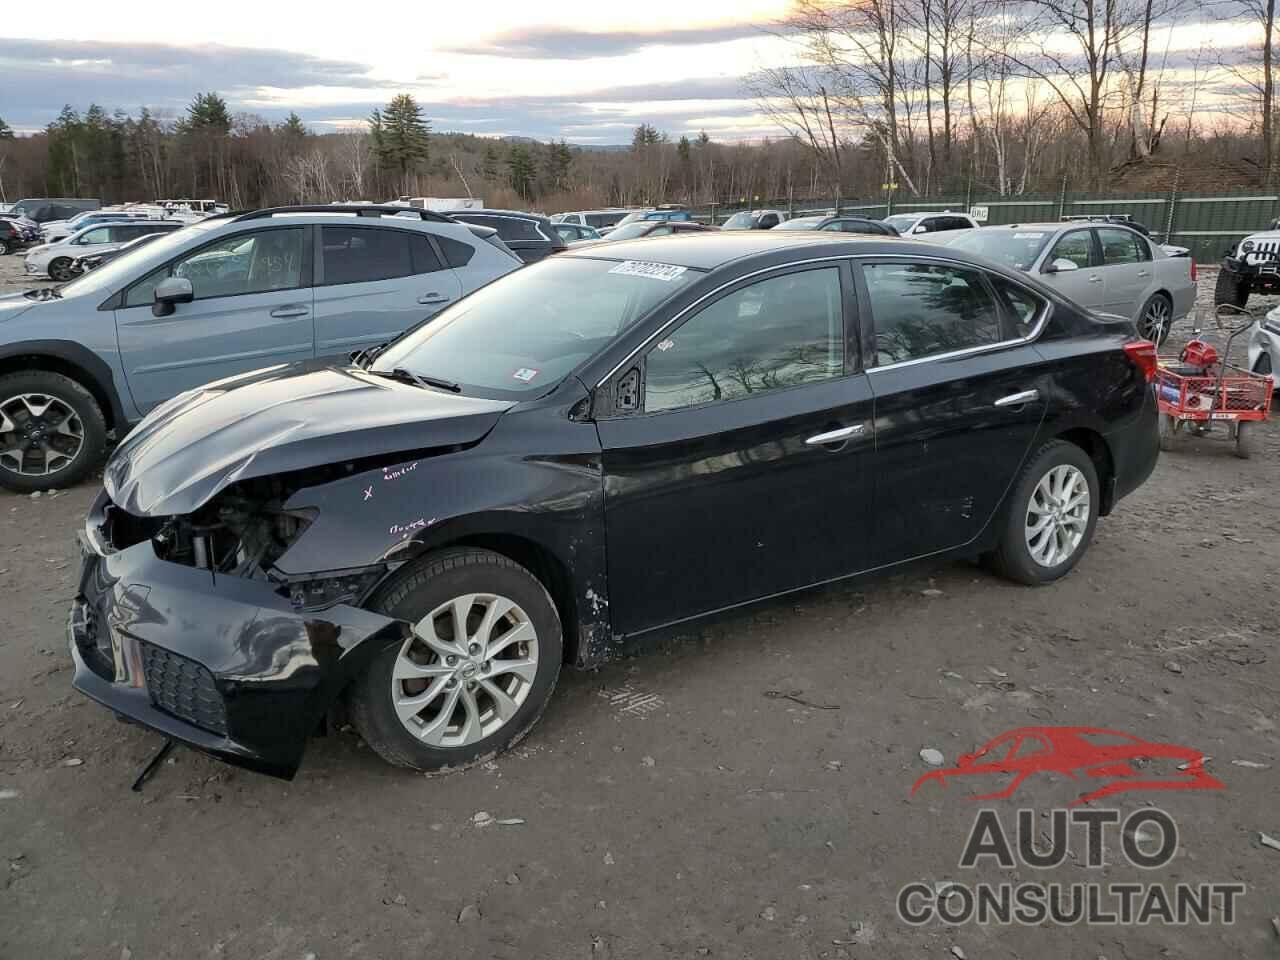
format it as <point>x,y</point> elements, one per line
<point>171,291</point>
<point>1062,265</point>
<point>920,229</point>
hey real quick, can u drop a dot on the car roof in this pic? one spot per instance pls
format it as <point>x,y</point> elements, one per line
<point>715,249</point>
<point>490,212</point>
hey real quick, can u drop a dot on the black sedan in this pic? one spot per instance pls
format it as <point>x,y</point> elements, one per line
<point>840,224</point>
<point>530,236</point>
<point>581,455</point>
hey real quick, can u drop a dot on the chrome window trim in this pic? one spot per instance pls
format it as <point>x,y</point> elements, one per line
<point>1045,310</point>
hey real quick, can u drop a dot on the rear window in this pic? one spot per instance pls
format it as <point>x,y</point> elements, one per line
<point>456,253</point>
<point>362,254</point>
<point>509,228</point>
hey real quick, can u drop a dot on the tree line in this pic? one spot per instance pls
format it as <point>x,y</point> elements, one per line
<point>923,97</point>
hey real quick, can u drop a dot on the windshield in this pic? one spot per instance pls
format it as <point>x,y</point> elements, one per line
<point>902,222</point>
<point>633,216</point>
<point>630,231</point>
<point>739,221</point>
<point>1013,248</point>
<point>800,223</point>
<point>121,270</point>
<point>524,333</point>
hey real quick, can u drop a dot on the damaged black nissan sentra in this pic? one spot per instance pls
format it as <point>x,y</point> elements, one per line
<point>579,455</point>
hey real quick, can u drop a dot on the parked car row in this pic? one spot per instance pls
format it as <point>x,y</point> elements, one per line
<point>616,441</point>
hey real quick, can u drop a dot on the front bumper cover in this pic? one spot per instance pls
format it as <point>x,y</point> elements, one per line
<point>223,664</point>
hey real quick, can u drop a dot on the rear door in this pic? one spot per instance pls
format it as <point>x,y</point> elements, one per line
<point>1126,270</point>
<point>743,470</point>
<point>1084,284</point>
<point>373,283</point>
<point>959,395</point>
<point>252,309</point>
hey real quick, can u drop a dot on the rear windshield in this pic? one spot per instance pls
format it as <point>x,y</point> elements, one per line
<point>1014,248</point>
<point>509,228</point>
<point>800,223</point>
<point>525,332</point>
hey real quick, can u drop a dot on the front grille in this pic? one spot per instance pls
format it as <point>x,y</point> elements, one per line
<point>183,688</point>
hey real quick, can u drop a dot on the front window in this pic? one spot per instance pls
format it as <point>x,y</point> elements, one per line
<point>773,334</point>
<point>1076,247</point>
<point>1013,248</point>
<point>521,335</point>
<point>255,263</point>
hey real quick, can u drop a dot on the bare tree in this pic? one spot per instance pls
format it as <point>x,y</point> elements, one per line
<point>1258,78</point>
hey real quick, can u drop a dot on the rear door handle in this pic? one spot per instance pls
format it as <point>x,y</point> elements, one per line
<point>291,310</point>
<point>1018,399</point>
<point>433,298</point>
<point>1095,279</point>
<point>835,436</point>
<point>1144,273</point>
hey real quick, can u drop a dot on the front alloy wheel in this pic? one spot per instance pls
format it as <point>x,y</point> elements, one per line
<point>51,431</point>
<point>476,671</point>
<point>466,670</point>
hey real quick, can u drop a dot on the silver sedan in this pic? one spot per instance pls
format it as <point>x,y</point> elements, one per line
<point>1105,267</point>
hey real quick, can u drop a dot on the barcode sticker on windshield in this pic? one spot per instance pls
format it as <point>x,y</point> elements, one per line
<point>666,272</point>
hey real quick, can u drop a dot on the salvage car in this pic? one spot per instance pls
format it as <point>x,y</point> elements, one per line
<point>530,236</point>
<point>54,259</point>
<point>219,297</point>
<point>1264,344</point>
<point>1108,268</point>
<point>580,456</point>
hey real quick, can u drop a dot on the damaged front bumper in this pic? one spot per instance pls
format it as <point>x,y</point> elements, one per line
<point>224,664</point>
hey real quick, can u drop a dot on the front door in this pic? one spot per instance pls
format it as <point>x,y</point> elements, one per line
<point>1084,284</point>
<point>252,309</point>
<point>373,283</point>
<point>743,470</point>
<point>959,395</point>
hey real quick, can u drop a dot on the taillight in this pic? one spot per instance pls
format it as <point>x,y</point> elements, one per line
<point>1142,354</point>
<point>1194,275</point>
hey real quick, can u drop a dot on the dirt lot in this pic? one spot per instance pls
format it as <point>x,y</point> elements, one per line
<point>669,806</point>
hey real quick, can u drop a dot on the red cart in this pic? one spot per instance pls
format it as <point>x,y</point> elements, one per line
<point>1198,391</point>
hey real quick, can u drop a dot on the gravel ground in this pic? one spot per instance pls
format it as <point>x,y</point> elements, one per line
<point>669,806</point>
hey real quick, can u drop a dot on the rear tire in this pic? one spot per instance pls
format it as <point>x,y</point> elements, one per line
<point>1246,439</point>
<point>1156,318</point>
<point>425,704</point>
<point>4,247</point>
<point>60,411</point>
<point>1231,288</point>
<point>1034,558</point>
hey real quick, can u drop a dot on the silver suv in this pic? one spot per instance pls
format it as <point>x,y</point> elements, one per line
<point>221,297</point>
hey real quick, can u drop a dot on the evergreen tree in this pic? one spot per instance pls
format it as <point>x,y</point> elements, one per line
<point>521,171</point>
<point>401,138</point>
<point>646,135</point>
<point>683,149</point>
<point>557,159</point>
<point>208,114</point>
<point>6,131</point>
<point>293,129</point>
<point>491,164</point>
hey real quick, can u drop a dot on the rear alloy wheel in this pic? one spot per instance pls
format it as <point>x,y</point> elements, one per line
<point>477,671</point>
<point>4,247</point>
<point>51,431</point>
<point>60,269</point>
<point>1156,319</point>
<point>1230,288</point>
<point>1051,515</point>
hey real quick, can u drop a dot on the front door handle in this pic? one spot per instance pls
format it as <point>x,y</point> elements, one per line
<point>433,298</point>
<point>835,436</point>
<point>1095,279</point>
<point>1018,399</point>
<point>291,310</point>
<point>1144,273</point>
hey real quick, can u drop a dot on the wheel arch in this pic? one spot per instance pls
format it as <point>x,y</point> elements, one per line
<point>71,360</point>
<point>1095,445</point>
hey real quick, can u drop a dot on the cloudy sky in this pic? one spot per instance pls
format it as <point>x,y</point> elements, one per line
<point>587,70</point>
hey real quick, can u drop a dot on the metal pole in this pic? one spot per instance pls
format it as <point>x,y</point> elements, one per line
<point>1062,199</point>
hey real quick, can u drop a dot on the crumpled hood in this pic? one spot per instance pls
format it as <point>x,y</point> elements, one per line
<point>14,305</point>
<point>279,419</point>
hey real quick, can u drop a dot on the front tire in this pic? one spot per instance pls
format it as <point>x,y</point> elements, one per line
<point>52,431</point>
<point>1051,516</point>
<point>1230,288</point>
<point>60,269</point>
<point>477,672</point>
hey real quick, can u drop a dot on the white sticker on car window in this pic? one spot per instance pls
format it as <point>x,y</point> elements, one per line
<point>1028,236</point>
<point>524,374</point>
<point>666,272</point>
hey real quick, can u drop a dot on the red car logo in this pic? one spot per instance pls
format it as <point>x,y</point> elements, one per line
<point>1081,753</point>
